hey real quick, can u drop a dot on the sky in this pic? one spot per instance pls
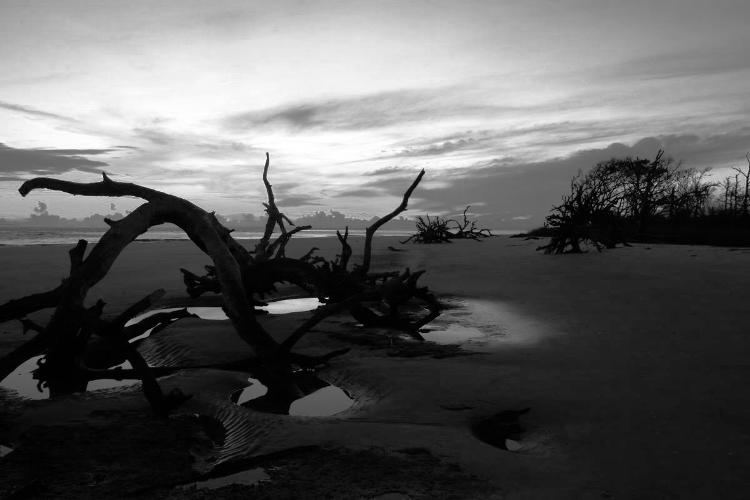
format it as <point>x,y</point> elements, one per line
<point>500,101</point>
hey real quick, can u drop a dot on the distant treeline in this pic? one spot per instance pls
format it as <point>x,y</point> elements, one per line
<point>650,200</point>
<point>41,217</point>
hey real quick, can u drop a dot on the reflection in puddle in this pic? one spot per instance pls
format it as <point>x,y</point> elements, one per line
<point>502,430</point>
<point>322,403</point>
<point>322,400</point>
<point>22,380</point>
<point>252,391</point>
<point>285,306</point>
<point>244,478</point>
<point>482,325</point>
<point>292,305</point>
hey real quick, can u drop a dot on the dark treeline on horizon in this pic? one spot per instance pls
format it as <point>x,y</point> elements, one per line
<point>332,219</point>
<point>649,200</point>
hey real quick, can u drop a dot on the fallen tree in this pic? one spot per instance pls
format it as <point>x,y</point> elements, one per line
<point>355,289</point>
<point>441,230</point>
<point>79,345</point>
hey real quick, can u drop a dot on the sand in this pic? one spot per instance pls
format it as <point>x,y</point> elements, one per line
<point>634,363</point>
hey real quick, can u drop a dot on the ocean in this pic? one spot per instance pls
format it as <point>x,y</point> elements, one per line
<point>38,235</point>
<point>27,235</point>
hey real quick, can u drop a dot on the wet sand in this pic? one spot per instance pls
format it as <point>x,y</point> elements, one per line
<point>634,363</point>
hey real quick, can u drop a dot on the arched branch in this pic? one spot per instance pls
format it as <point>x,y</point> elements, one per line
<point>161,207</point>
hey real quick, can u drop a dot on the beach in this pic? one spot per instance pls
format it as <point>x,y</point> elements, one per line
<point>633,362</point>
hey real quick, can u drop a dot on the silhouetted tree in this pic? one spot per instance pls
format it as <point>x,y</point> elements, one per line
<point>745,193</point>
<point>441,230</point>
<point>589,214</point>
<point>647,200</point>
<point>80,345</point>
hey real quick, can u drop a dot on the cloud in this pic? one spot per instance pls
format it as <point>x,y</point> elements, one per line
<point>387,171</point>
<point>154,136</point>
<point>537,138</point>
<point>28,110</point>
<point>440,148</point>
<point>360,193</point>
<point>512,189</point>
<point>298,201</point>
<point>17,161</point>
<point>683,64</point>
<point>366,112</point>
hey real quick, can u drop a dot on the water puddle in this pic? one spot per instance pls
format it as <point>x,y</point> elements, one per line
<point>322,403</point>
<point>252,391</point>
<point>322,400</point>
<point>22,380</point>
<point>284,306</point>
<point>481,325</point>
<point>244,478</point>
<point>502,430</point>
<point>287,306</point>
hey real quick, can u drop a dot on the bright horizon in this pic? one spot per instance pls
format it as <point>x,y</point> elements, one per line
<point>501,102</point>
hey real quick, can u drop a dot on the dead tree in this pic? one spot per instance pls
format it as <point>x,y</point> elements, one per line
<point>746,190</point>
<point>80,346</point>
<point>430,230</point>
<point>331,281</point>
<point>65,338</point>
<point>439,230</point>
<point>587,215</point>
<point>467,229</point>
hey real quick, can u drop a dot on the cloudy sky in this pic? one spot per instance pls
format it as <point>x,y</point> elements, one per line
<point>500,101</point>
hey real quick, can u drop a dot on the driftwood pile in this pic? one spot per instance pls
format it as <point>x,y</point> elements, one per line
<point>80,344</point>
<point>441,230</point>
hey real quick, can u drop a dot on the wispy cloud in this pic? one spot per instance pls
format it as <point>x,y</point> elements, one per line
<point>368,112</point>
<point>298,200</point>
<point>78,152</point>
<point>28,110</point>
<point>360,193</point>
<point>682,64</point>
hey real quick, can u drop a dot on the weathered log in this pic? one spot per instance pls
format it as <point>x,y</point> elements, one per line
<point>18,308</point>
<point>162,207</point>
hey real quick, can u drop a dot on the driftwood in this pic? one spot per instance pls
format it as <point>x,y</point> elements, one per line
<point>64,338</point>
<point>332,281</point>
<point>440,230</point>
<point>79,345</point>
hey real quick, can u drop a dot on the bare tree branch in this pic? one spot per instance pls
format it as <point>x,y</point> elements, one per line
<point>370,231</point>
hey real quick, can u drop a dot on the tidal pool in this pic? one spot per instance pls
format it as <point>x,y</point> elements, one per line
<point>22,380</point>
<point>481,325</point>
<point>284,306</point>
<point>324,401</point>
